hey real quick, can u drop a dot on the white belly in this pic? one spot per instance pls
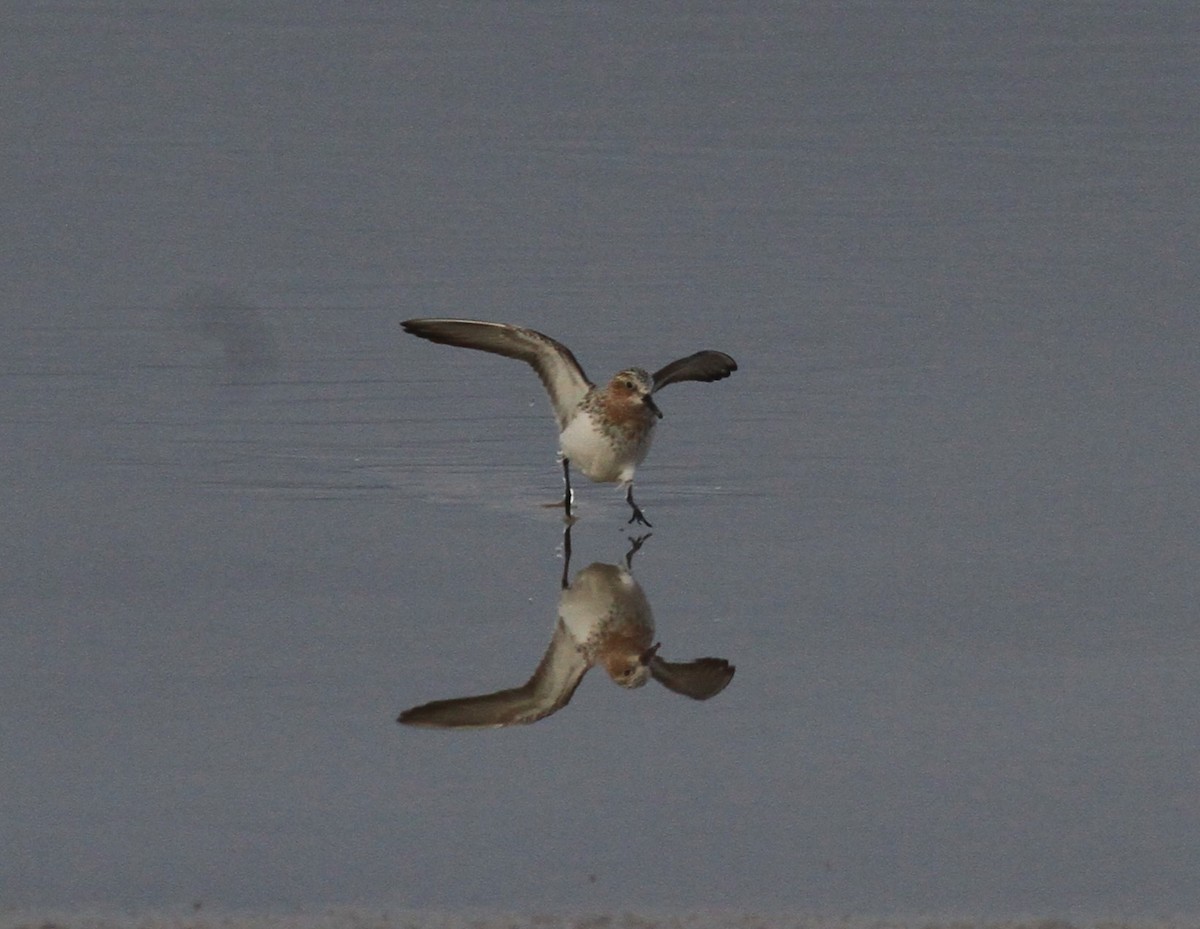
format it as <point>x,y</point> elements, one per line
<point>605,599</point>
<point>607,456</point>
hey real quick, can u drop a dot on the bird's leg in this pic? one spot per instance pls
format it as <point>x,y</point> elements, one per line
<point>634,545</point>
<point>638,515</point>
<point>566,554</point>
<point>567,488</point>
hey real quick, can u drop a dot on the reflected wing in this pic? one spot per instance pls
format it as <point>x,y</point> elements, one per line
<point>561,374</point>
<point>699,679</point>
<point>549,690</point>
<point>702,366</point>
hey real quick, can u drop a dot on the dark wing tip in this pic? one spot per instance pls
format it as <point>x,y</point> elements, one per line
<point>414,327</point>
<point>707,366</point>
<point>419,327</point>
<point>701,679</point>
<point>723,365</point>
<point>453,714</point>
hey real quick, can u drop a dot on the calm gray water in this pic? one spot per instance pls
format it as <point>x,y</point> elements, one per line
<point>944,519</point>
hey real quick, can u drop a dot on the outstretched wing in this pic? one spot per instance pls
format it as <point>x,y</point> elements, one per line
<point>550,689</point>
<point>561,374</point>
<point>699,679</point>
<point>702,366</point>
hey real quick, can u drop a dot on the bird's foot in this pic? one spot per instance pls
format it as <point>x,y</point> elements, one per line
<point>635,544</point>
<point>639,517</point>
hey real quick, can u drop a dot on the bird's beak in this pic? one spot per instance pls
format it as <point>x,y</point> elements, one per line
<point>649,653</point>
<point>649,401</point>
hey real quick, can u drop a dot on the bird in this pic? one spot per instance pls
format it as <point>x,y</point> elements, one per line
<point>604,431</point>
<point>604,619</point>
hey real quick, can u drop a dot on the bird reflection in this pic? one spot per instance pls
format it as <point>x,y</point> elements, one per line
<point>603,619</point>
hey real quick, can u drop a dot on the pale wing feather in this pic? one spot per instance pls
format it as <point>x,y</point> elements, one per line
<point>549,690</point>
<point>702,366</point>
<point>558,369</point>
<point>699,679</point>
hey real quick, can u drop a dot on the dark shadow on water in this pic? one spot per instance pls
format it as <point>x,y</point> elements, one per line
<point>603,619</point>
<point>217,314</point>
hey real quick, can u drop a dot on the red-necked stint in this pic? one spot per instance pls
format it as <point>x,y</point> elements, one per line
<point>604,431</point>
<point>603,618</point>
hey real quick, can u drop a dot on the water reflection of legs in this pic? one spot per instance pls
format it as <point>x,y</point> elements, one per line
<point>635,544</point>
<point>566,554</point>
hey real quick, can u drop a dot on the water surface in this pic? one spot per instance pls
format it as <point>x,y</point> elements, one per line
<point>943,518</point>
